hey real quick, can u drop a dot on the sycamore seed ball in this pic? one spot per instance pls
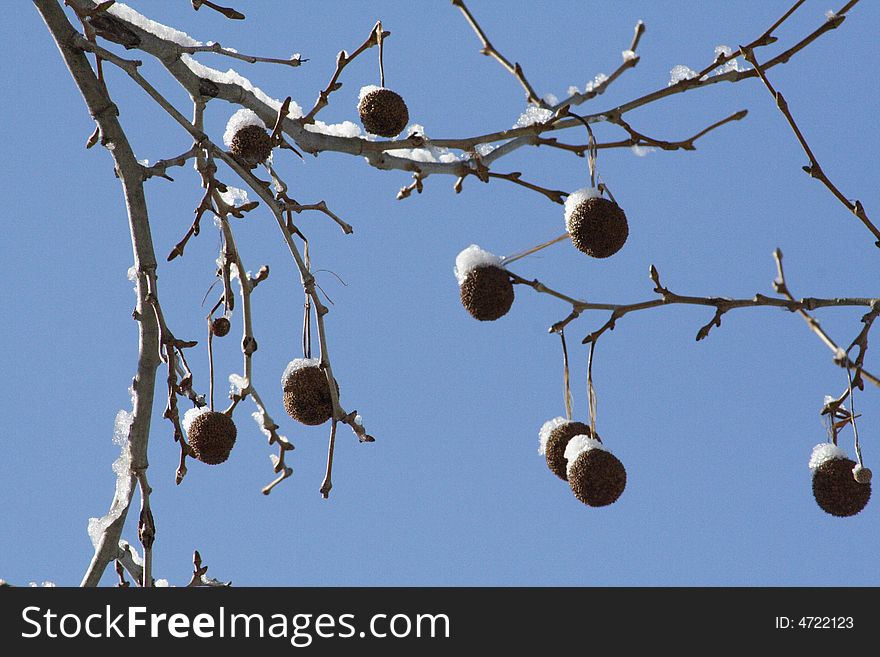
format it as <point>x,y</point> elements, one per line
<point>596,476</point>
<point>836,489</point>
<point>251,144</point>
<point>487,293</point>
<point>211,437</point>
<point>307,393</point>
<point>220,327</point>
<point>382,111</point>
<point>554,450</point>
<point>597,226</point>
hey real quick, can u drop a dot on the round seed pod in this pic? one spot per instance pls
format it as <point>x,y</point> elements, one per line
<point>220,327</point>
<point>251,144</point>
<point>307,393</point>
<point>836,490</point>
<point>211,437</point>
<point>557,441</point>
<point>487,293</point>
<point>596,476</point>
<point>597,226</point>
<point>383,112</point>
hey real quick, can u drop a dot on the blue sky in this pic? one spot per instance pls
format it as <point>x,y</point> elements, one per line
<point>715,435</point>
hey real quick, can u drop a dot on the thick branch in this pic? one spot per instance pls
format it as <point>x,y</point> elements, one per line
<point>130,174</point>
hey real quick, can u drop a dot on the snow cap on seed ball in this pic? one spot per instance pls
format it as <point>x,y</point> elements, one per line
<point>546,429</point>
<point>297,364</point>
<point>825,452</point>
<point>580,444</point>
<point>241,119</point>
<point>192,414</point>
<point>471,258</point>
<point>577,197</point>
<point>366,90</point>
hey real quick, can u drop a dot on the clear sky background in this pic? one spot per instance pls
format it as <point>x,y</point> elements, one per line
<point>715,436</point>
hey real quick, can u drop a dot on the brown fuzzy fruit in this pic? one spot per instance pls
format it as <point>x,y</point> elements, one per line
<point>598,227</point>
<point>836,490</point>
<point>554,451</point>
<point>487,292</point>
<point>307,395</point>
<point>211,437</point>
<point>383,112</point>
<point>251,144</point>
<point>220,327</point>
<point>597,477</point>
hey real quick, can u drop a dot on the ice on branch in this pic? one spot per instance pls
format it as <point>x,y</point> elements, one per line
<point>578,445</point>
<point>532,115</point>
<point>825,452</point>
<point>481,149</point>
<point>680,73</point>
<point>237,383</point>
<point>628,55</point>
<point>240,119</point>
<point>226,48</point>
<point>471,258</point>
<point>550,99</point>
<point>124,479</point>
<point>344,129</point>
<point>232,77</point>
<point>260,419</point>
<point>641,151</point>
<point>358,420</point>
<point>830,15</point>
<point>600,79</point>
<point>47,585</point>
<point>592,85</point>
<point>415,130</point>
<point>577,197</point>
<point>424,154</point>
<point>234,196</point>
<point>128,14</point>
<point>161,584</point>
<point>732,65</point>
<point>546,429</point>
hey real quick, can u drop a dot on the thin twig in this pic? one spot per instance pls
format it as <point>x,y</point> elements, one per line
<point>814,169</point>
<point>229,12</point>
<point>840,356</point>
<point>216,48</point>
<point>343,59</point>
<point>327,484</point>
<point>489,50</point>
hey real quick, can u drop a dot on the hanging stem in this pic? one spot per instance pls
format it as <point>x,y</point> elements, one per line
<point>506,260</point>
<point>381,49</point>
<point>566,378</point>
<point>307,313</point>
<point>591,391</point>
<point>592,148</point>
<point>852,411</point>
<point>210,365</point>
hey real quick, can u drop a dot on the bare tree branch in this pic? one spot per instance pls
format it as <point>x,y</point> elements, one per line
<point>129,171</point>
